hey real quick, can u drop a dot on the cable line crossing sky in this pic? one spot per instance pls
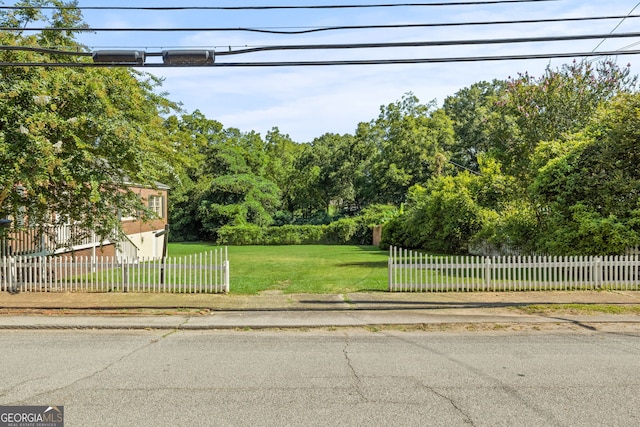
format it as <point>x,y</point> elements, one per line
<point>308,101</point>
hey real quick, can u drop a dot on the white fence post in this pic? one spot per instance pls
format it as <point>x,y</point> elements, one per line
<point>597,272</point>
<point>487,274</point>
<point>12,274</point>
<point>226,276</point>
<point>209,273</point>
<point>125,275</point>
<point>390,269</point>
<point>405,273</point>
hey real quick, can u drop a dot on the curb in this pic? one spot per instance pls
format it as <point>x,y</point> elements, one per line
<point>304,320</point>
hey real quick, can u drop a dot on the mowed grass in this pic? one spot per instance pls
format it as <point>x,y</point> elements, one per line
<point>305,268</point>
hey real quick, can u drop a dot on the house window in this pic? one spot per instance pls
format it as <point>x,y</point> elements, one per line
<point>156,205</point>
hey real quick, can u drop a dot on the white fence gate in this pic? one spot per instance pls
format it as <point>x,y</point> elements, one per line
<point>411,271</point>
<point>203,273</point>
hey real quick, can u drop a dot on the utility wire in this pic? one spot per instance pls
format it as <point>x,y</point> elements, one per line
<point>344,6</point>
<point>616,27</point>
<point>362,45</point>
<point>428,60</point>
<point>429,43</point>
<point>272,30</point>
<point>48,50</point>
<point>334,63</point>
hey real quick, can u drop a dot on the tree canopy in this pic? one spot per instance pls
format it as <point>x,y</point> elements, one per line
<point>527,164</point>
<point>72,140</point>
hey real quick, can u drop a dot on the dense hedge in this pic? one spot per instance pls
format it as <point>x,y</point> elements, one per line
<point>343,231</point>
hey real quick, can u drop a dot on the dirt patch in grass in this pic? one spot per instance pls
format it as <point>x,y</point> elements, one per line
<point>104,312</point>
<point>581,309</point>
<point>511,328</point>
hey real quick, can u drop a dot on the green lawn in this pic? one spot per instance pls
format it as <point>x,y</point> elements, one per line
<point>305,268</point>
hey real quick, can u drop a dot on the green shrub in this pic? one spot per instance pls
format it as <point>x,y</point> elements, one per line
<point>294,235</point>
<point>341,231</point>
<point>240,235</point>
<point>394,233</point>
<point>345,231</point>
<point>338,232</point>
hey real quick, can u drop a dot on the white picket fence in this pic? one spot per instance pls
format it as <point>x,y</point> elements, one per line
<point>411,271</point>
<point>202,273</point>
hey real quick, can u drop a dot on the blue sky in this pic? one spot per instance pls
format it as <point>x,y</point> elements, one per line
<point>306,102</point>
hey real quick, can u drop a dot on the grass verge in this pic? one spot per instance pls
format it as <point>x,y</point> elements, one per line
<point>585,309</point>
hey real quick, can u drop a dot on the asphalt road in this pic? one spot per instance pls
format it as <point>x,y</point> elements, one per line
<point>350,377</point>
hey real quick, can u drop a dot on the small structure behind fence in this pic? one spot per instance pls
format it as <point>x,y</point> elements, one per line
<point>202,273</point>
<point>411,271</point>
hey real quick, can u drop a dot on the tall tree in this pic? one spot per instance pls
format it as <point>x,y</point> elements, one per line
<point>471,110</point>
<point>333,181</point>
<point>236,189</point>
<point>191,135</point>
<point>559,103</point>
<point>282,152</point>
<point>72,140</point>
<point>410,142</point>
<point>591,194</point>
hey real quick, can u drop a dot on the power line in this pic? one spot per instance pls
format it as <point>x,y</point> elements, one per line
<point>430,43</point>
<point>272,7</point>
<point>51,51</point>
<point>425,60</point>
<point>273,30</point>
<point>512,40</point>
<point>48,50</point>
<point>616,27</point>
<point>336,63</point>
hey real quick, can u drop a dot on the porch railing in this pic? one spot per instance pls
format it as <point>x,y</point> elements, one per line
<point>48,239</point>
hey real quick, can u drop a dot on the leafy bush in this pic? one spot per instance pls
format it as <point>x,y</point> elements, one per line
<point>394,233</point>
<point>294,235</point>
<point>589,233</point>
<point>244,235</point>
<point>339,232</point>
<point>240,235</point>
<point>442,218</point>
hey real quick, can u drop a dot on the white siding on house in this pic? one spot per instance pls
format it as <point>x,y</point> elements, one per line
<point>149,245</point>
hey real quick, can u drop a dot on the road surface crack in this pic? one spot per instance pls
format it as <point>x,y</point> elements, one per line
<point>5,392</point>
<point>357,379</point>
<point>467,417</point>
<point>94,373</point>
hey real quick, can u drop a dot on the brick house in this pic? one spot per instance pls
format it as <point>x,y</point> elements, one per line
<point>149,237</point>
<point>144,239</point>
